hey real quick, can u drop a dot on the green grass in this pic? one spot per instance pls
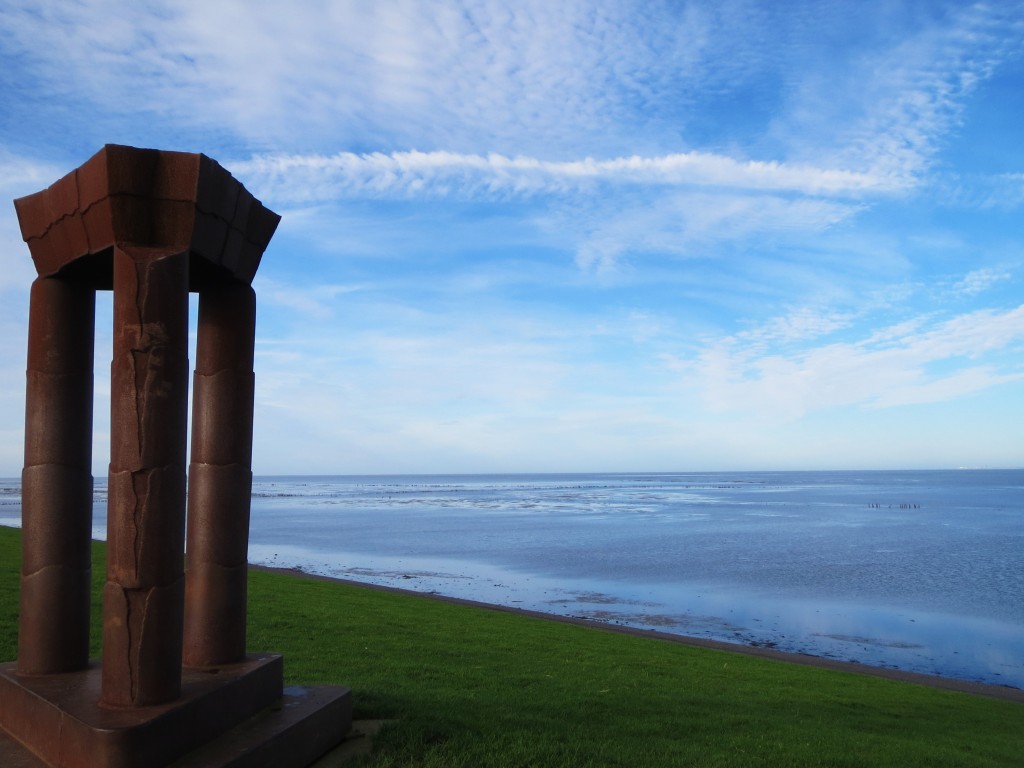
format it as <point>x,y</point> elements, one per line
<point>468,686</point>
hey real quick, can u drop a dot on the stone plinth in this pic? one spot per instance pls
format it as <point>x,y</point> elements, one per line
<point>237,714</point>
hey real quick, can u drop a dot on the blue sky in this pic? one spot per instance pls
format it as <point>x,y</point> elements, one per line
<point>574,236</point>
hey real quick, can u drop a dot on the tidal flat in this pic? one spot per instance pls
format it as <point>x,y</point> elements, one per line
<point>917,570</point>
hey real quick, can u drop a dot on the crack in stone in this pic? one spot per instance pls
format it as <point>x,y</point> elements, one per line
<point>132,687</point>
<point>80,212</point>
<point>136,527</point>
<point>147,596</point>
<point>60,736</point>
<point>141,290</point>
<point>126,594</point>
<point>52,566</point>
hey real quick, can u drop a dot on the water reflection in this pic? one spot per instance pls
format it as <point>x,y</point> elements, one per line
<point>970,648</point>
<point>920,570</point>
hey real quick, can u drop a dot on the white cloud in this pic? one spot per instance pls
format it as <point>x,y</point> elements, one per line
<point>981,280</point>
<point>1008,191</point>
<point>691,224</point>
<point>890,108</point>
<point>317,178</point>
<point>667,204</point>
<point>998,192</point>
<point>481,74</point>
<point>19,176</point>
<point>944,388</point>
<point>671,204</point>
<point>800,325</point>
<point>917,362</point>
<point>442,163</point>
<point>16,269</point>
<point>315,301</point>
<point>535,77</point>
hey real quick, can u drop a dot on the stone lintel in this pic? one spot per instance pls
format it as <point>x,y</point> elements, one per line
<point>127,197</point>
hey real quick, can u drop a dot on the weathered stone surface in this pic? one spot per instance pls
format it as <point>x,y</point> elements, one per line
<point>59,718</point>
<point>220,476</point>
<point>222,412</point>
<point>227,322</point>
<point>151,226</point>
<point>58,521</point>
<point>142,630</point>
<point>149,372</point>
<point>214,614</point>
<point>225,492</point>
<point>143,600</point>
<point>53,632</point>
<point>58,409</point>
<point>144,197</point>
<point>54,620</point>
<point>146,526</point>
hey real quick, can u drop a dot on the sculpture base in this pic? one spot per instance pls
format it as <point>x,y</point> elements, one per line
<point>234,715</point>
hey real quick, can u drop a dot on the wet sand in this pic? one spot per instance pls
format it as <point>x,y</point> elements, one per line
<point>1006,693</point>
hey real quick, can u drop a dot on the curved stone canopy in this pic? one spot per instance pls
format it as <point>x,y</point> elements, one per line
<point>129,197</point>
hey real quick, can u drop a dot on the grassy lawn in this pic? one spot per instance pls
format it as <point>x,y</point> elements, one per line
<point>471,687</point>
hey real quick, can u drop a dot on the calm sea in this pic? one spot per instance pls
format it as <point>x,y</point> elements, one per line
<point>920,570</point>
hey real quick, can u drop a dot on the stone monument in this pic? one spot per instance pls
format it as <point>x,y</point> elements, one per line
<point>175,681</point>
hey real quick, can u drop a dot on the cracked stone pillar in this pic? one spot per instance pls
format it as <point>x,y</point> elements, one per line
<point>220,477</point>
<point>143,598</point>
<point>56,484</point>
<point>152,226</point>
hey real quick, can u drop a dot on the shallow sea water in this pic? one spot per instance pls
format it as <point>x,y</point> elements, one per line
<point>921,570</point>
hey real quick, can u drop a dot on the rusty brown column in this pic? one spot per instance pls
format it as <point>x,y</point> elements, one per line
<point>220,477</point>
<point>143,599</point>
<point>56,484</point>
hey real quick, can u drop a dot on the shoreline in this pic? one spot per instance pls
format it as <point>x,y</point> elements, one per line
<point>1003,692</point>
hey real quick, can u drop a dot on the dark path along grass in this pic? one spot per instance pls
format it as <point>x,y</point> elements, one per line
<point>473,687</point>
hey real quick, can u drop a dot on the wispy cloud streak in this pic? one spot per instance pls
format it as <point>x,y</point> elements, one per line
<point>313,178</point>
<point>893,110</point>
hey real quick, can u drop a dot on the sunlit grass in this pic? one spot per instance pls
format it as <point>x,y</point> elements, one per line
<point>467,686</point>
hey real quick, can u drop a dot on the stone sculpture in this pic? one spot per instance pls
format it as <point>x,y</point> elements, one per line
<point>152,226</point>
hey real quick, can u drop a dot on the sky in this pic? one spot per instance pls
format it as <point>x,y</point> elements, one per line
<point>567,236</point>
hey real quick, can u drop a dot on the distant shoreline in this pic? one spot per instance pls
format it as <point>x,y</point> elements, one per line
<point>1003,692</point>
